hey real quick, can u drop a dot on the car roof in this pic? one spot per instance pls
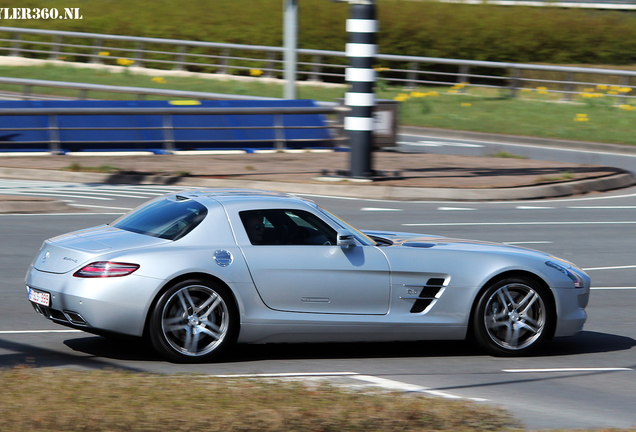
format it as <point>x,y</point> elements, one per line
<point>237,195</point>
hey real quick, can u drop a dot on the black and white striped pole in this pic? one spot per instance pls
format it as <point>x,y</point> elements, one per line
<point>361,50</point>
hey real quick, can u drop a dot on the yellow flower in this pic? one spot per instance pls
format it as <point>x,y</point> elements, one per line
<point>601,87</point>
<point>432,93</point>
<point>401,97</point>
<point>589,90</point>
<point>453,91</point>
<point>625,89</point>
<point>626,107</point>
<point>588,95</point>
<point>466,104</point>
<point>542,90</point>
<point>581,118</point>
<point>417,94</point>
<point>124,62</point>
<point>104,53</point>
<point>612,92</point>
<point>256,72</point>
<point>159,80</point>
<point>615,88</point>
<point>381,69</point>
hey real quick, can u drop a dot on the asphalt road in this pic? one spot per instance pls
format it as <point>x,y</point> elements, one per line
<point>585,381</point>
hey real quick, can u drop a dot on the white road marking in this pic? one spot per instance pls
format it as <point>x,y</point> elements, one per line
<point>90,192</point>
<point>379,209</point>
<point>520,223</point>
<point>38,331</point>
<point>604,207</point>
<point>421,143</point>
<point>104,207</point>
<point>354,198</point>
<point>117,192</point>
<point>373,380</point>
<point>286,375</point>
<point>410,388</point>
<point>613,288</point>
<point>588,198</point>
<point>533,208</point>
<point>484,203</point>
<point>577,150</point>
<point>616,369</point>
<point>610,268</point>
<point>56,194</point>
<point>528,242</point>
<point>455,208</point>
<point>61,214</point>
<point>427,143</point>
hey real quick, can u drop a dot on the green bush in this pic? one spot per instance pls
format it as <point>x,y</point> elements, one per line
<point>521,34</point>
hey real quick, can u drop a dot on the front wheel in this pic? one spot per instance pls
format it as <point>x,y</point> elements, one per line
<point>193,321</point>
<point>513,317</point>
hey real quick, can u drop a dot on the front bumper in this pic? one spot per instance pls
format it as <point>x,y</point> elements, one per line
<point>571,304</point>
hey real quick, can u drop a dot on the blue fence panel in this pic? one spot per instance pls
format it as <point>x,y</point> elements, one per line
<point>152,139</point>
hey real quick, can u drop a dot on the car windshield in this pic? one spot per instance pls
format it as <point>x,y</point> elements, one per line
<point>359,235</point>
<point>167,219</point>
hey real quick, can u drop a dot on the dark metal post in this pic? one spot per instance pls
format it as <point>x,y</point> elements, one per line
<point>361,51</point>
<point>168,133</point>
<point>54,134</point>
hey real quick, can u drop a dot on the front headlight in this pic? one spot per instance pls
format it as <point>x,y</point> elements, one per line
<point>578,282</point>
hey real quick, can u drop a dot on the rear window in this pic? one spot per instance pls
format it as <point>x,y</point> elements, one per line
<point>166,219</point>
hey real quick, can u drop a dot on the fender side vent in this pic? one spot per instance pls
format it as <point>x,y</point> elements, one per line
<point>435,282</point>
<point>427,295</point>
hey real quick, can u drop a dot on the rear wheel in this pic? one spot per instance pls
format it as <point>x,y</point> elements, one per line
<point>513,317</point>
<point>193,321</point>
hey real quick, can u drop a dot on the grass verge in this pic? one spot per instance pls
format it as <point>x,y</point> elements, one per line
<point>66,400</point>
<point>593,115</point>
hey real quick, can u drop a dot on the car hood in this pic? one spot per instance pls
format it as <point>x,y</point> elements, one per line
<point>401,239</point>
<point>67,252</point>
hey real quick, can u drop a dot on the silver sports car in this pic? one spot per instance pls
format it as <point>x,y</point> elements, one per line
<point>197,271</point>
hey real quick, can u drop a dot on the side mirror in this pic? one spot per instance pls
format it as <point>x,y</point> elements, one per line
<point>345,239</point>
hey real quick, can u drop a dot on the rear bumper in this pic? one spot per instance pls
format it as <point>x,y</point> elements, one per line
<point>108,305</point>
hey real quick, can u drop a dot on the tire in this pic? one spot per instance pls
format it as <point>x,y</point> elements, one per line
<point>513,317</point>
<point>193,321</point>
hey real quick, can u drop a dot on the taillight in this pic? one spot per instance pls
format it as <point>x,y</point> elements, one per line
<point>103,269</point>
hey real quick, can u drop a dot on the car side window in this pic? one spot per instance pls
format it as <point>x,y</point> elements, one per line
<point>286,227</point>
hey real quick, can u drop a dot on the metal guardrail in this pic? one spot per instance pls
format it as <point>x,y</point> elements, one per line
<point>313,65</point>
<point>83,90</point>
<point>167,127</point>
